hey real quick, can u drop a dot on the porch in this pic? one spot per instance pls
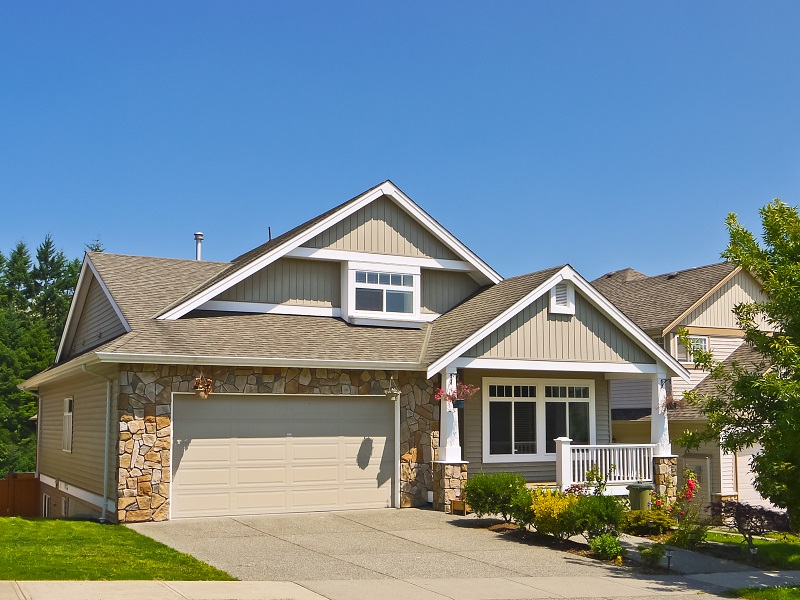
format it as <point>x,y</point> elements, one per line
<point>619,465</point>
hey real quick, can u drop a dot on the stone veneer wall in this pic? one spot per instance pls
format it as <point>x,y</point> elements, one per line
<point>665,477</point>
<point>145,425</point>
<point>449,480</point>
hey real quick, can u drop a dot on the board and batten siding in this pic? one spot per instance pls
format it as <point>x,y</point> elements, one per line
<point>382,227</point>
<point>535,334</point>
<point>83,467</point>
<point>544,471</point>
<point>442,290</point>
<point>291,281</point>
<point>98,322</point>
<point>717,310</point>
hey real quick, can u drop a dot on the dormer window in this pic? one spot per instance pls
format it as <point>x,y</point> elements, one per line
<point>384,292</point>
<point>562,298</point>
<point>381,294</point>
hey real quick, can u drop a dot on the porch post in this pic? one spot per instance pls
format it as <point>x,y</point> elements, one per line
<point>449,470</point>
<point>449,444</point>
<point>563,463</point>
<point>659,425</point>
<point>665,464</point>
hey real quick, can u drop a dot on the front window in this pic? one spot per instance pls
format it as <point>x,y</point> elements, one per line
<point>384,292</point>
<point>522,417</point>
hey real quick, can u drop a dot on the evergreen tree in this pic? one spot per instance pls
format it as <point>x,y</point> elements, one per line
<point>53,281</point>
<point>17,277</point>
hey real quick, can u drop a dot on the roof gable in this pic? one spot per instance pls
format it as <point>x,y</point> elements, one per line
<point>256,259</point>
<point>716,310</point>
<point>466,325</point>
<point>657,304</point>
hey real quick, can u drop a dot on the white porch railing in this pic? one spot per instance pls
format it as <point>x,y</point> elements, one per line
<point>623,463</point>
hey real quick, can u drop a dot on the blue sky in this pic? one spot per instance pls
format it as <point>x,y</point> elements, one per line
<point>603,134</point>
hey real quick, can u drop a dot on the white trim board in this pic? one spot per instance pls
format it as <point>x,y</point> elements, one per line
<point>79,493</point>
<point>380,259</point>
<point>385,189</point>
<point>267,308</point>
<point>511,364</point>
<point>567,273</point>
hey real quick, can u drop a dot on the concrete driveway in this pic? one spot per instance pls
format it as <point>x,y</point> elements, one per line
<point>367,544</point>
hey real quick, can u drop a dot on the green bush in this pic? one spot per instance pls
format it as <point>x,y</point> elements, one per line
<point>522,508</point>
<point>646,522</point>
<point>493,493</point>
<point>606,546</point>
<point>652,554</point>
<point>597,515</point>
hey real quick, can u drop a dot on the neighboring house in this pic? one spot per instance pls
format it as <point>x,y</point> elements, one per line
<point>702,301</point>
<point>325,346</point>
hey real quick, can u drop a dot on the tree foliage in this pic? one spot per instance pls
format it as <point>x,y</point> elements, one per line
<point>35,295</point>
<point>760,404</point>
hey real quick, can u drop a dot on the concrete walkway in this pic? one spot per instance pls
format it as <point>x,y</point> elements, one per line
<point>630,587</point>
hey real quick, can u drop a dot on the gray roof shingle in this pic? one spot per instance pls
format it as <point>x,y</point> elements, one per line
<point>653,303</point>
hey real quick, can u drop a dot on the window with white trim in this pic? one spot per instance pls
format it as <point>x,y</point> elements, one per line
<point>562,298</point>
<point>376,294</point>
<point>697,342</point>
<point>522,417</point>
<point>66,429</point>
<point>45,505</point>
<point>384,292</point>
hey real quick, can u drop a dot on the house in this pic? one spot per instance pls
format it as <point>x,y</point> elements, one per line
<point>702,301</point>
<point>322,350</point>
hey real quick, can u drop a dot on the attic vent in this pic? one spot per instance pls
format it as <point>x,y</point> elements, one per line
<point>561,295</point>
<point>562,298</point>
<point>672,275</point>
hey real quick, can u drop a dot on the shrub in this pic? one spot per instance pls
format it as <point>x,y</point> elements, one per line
<point>645,522</point>
<point>597,515</point>
<point>691,529</point>
<point>552,514</point>
<point>493,493</point>
<point>652,554</point>
<point>522,508</point>
<point>607,546</point>
<point>749,520</point>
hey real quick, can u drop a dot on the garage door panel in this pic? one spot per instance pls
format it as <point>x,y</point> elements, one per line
<point>268,475</point>
<point>338,454</point>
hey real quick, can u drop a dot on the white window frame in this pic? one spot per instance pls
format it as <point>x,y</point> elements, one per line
<point>541,426</point>
<point>560,308</point>
<point>67,424</point>
<point>368,317</point>
<point>45,505</point>
<point>679,347</point>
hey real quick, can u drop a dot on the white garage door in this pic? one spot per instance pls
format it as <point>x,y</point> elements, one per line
<point>259,454</point>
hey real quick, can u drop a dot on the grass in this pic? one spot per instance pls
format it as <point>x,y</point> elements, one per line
<point>776,552</point>
<point>82,550</point>
<point>781,593</point>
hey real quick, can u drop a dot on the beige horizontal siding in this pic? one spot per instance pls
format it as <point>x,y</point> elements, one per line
<point>442,290</point>
<point>97,323</point>
<point>83,467</point>
<point>631,393</point>
<point>291,281</point>
<point>717,310</point>
<point>382,227</point>
<point>536,334</point>
<point>472,444</point>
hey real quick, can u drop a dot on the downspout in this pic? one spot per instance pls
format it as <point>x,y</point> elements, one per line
<point>109,388</point>
<point>38,428</point>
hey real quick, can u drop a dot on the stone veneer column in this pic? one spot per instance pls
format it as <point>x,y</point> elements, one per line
<point>665,477</point>
<point>448,481</point>
<point>145,423</point>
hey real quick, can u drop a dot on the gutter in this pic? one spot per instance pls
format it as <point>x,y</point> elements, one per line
<point>109,389</point>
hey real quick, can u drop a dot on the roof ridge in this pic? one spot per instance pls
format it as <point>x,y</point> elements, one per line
<point>171,258</point>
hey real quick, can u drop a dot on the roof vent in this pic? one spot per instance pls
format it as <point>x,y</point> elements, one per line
<point>672,275</point>
<point>198,245</point>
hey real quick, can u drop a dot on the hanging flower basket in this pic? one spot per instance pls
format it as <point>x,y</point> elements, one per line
<point>463,392</point>
<point>203,386</point>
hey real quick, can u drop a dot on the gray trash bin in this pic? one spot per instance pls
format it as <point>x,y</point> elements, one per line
<point>639,495</point>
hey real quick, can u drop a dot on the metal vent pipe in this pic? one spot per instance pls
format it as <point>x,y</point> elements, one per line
<point>198,241</point>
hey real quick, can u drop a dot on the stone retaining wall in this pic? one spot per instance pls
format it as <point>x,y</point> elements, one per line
<point>145,424</point>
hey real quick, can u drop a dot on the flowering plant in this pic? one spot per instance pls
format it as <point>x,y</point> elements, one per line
<point>463,392</point>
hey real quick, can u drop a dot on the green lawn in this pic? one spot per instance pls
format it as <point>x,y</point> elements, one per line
<point>784,593</point>
<point>778,552</point>
<point>59,549</point>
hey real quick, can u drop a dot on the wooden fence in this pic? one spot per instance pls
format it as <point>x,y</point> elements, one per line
<point>19,495</point>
